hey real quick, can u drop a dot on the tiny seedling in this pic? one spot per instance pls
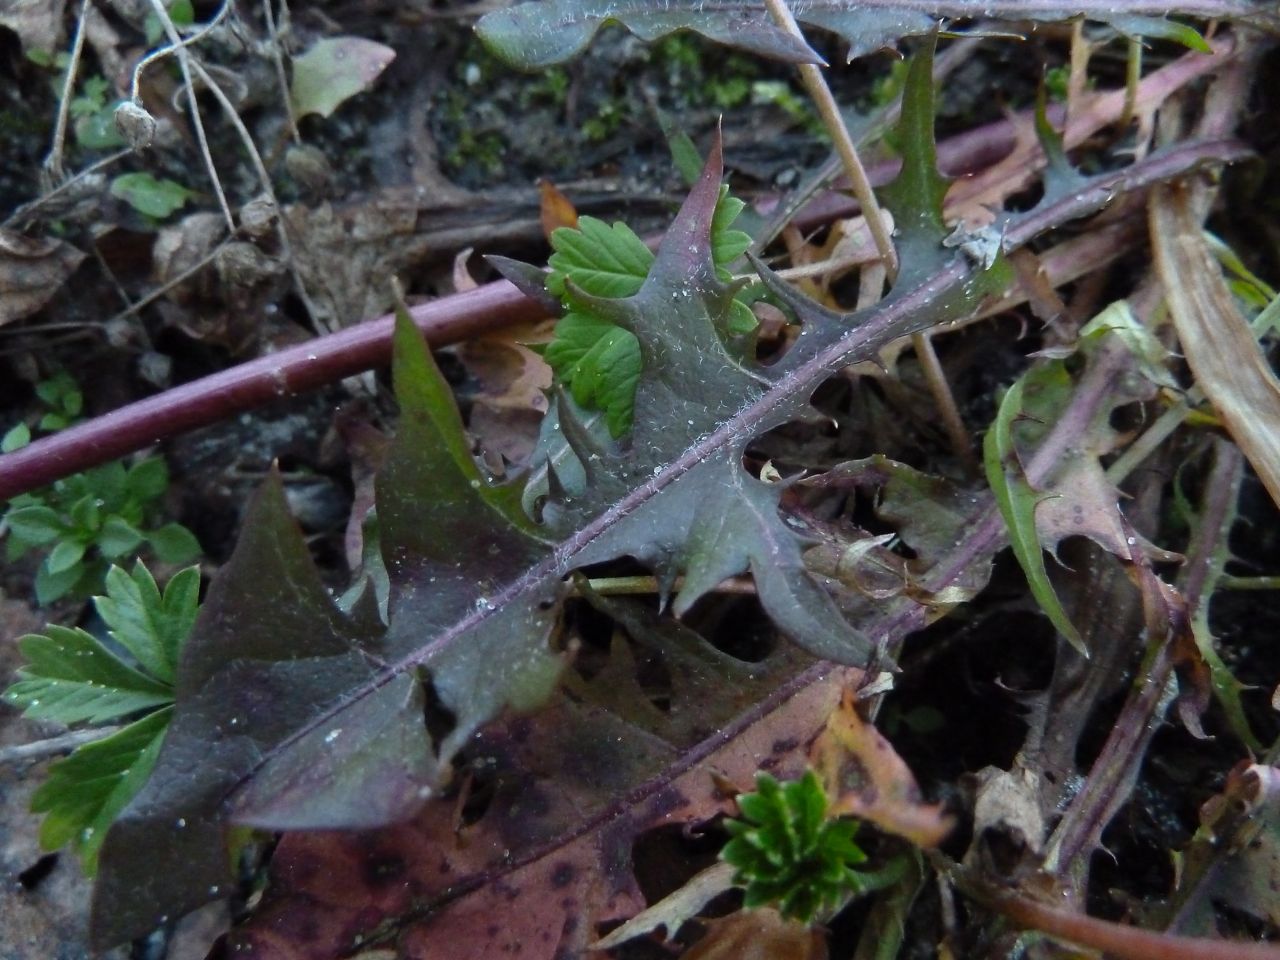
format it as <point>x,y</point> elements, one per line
<point>90,519</point>
<point>790,855</point>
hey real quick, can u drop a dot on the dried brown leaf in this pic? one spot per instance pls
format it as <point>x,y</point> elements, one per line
<point>38,23</point>
<point>546,866</point>
<point>514,381</point>
<point>1216,339</point>
<point>671,912</point>
<point>555,209</point>
<point>869,780</point>
<point>759,935</point>
<point>31,271</point>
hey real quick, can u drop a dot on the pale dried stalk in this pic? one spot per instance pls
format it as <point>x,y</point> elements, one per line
<point>820,93</point>
<point>816,85</point>
<point>1216,339</point>
<point>184,64</point>
<point>53,162</point>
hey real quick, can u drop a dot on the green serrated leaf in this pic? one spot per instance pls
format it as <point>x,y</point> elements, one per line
<point>598,259</point>
<point>87,790</point>
<point>727,244</point>
<point>598,361</point>
<point>70,677</point>
<point>150,625</point>
<point>787,853</point>
<point>1017,502</point>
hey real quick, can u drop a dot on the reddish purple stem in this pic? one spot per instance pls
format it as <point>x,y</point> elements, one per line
<point>294,370</point>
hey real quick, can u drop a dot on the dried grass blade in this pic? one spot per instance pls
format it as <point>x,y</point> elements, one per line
<point>1216,339</point>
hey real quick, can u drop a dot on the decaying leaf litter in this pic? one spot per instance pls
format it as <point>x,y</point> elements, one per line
<point>581,744</point>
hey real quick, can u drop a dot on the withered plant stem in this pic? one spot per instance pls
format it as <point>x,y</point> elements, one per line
<point>197,122</point>
<point>1132,77</point>
<point>53,162</point>
<point>1114,939</point>
<point>816,84</point>
<point>649,586</point>
<point>823,99</point>
<point>936,378</point>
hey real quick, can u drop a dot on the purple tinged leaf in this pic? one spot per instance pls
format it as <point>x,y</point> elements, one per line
<point>530,280</point>
<point>533,36</point>
<point>269,653</point>
<point>377,769</point>
<point>478,619</point>
<point>530,36</point>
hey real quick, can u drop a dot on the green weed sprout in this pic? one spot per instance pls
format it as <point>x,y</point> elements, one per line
<point>90,519</point>
<point>790,855</point>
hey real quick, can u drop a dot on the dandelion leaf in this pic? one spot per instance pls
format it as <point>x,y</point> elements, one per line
<point>535,35</point>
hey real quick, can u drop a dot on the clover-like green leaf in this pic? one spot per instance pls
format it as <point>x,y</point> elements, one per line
<point>596,359</point>
<point>72,677</point>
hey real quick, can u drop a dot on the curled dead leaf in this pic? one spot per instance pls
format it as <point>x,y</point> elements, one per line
<point>867,779</point>
<point>513,384</point>
<point>38,23</point>
<point>555,209</point>
<point>1218,343</point>
<point>31,271</point>
<point>671,912</point>
<point>759,935</point>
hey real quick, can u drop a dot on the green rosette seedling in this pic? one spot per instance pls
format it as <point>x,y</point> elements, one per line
<point>790,855</point>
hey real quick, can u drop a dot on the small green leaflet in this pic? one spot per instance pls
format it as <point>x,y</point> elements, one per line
<point>1017,502</point>
<point>596,360</point>
<point>85,791</point>
<point>72,677</point>
<point>151,196</point>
